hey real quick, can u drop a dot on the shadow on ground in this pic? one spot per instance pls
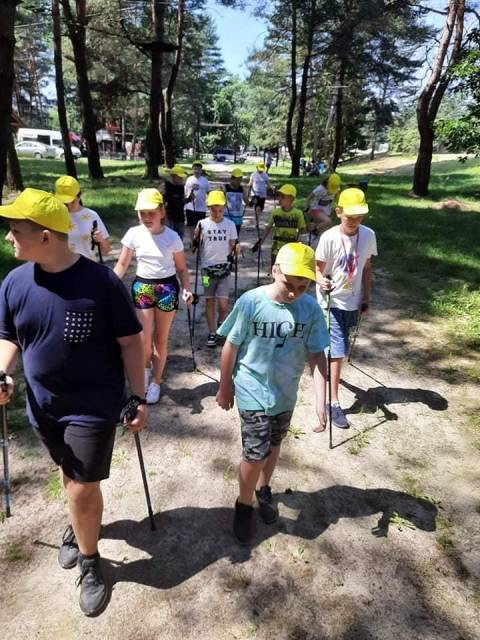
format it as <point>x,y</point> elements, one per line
<point>189,539</point>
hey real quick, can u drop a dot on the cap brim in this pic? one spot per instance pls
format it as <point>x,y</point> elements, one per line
<point>356,210</point>
<point>299,272</point>
<point>65,199</point>
<point>11,211</point>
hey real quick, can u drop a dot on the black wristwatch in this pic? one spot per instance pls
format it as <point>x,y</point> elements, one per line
<point>129,410</point>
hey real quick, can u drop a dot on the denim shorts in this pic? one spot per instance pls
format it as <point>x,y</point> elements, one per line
<point>261,432</point>
<point>341,322</point>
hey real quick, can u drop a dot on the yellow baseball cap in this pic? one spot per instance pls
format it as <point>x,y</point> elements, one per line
<point>237,173</point>
<point>40,207</point>
<point>333,183</point>
<point>353,202</point>
<point>177,170</point>
<point>288,190</point>
<point>216,197</point>
<point>148,199</point>
<point>297,259</point>
<point>197,163</point>
<point>67,189</point>
<point>260,166</point>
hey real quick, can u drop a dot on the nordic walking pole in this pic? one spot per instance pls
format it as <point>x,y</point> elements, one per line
<point>363,308</point>
<point>190,331</point>
<point>96,244</point>
<point>259,257</point>
<point>329,373</point>
<point>235,287</point>
<point>128,413</point>
<point>6,480</point>
<point>196,247</point>
<point>145,484</point>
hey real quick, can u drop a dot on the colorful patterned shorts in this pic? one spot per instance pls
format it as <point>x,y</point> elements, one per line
<point>156,294</point>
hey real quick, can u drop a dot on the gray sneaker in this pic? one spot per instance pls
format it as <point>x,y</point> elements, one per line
<point>68,552</point>
<point>338,417</point>
<point>94,593</point>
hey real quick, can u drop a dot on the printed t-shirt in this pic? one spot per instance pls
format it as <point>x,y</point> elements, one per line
<point>80,235</point>
<point>272,339</point>
<point>234,209</point>
<point>286,226</point>
<point>322,200</point>
<point>66,325</point>
<point>174,201</point>
<point>345,256</point>
<point>215,241</point>
<point>259,181</point>
<point>154,251</point>
<point>199,203</point>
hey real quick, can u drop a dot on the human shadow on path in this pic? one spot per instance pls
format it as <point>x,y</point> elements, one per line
<point>376,398</point>
<point>189,539</point>
<point>192,398</point>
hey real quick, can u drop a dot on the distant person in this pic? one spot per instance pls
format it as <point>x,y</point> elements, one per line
<point>268,160</point>
<point>174,196</point>
<point>258,187</point>
<point>216,240</point>
<point>75,326</point>
<point>138,149</point>
<point>284,221</point>
<point>128,149</point>
<point>86,224</point>
<point>196,190</point>
<point>318,205</point>
<point>344,273</point>
<point>236,199</point>
<point>155,290</point>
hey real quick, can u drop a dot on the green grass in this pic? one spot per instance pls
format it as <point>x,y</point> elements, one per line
<point>432,256</point>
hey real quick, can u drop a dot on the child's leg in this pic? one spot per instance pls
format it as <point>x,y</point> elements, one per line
<point>335,368</point>
<point>248,475</point>
<point>163,322</point>
<point>210,314</point>
<point>146,317</point>
<point>222,309</point>
<point>268,468</point>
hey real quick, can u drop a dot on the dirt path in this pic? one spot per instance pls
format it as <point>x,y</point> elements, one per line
<point>378,538</point>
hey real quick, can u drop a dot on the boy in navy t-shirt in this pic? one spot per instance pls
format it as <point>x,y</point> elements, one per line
<point>74,323</point>
<point>268,334</point>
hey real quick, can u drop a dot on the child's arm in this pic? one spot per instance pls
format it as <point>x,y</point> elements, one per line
<point>181,267</point>
<point>318,368</point>
<point>324,282</point>
<point>123,262</point>
<point>225,395</point>
<point>263,236</point>
<point>366,284</point>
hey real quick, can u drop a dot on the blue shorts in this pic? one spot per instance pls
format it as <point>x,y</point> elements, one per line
<point>341,322</point>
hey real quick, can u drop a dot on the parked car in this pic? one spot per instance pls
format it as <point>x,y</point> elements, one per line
<point>32,149</point>
<point>228,155</point>
<point>75,152</point>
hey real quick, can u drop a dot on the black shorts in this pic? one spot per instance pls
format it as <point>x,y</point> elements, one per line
<point>194,217</point>
<point>83,452</point>
<point>258,202</point>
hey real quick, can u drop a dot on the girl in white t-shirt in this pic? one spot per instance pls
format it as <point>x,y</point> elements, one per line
<point>155,290</point>
<point>87,229</point>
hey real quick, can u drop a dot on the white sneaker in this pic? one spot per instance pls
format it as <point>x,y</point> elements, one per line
<point>146,377</point>
<point>153,393</point>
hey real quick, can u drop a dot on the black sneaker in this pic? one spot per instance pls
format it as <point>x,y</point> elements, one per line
<point>268,511</point>
<point>242,522</point>
<point>94,592</point>
<point>68,552</point>
<point>212,340</point>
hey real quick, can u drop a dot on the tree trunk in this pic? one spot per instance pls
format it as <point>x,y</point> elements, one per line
<point>166,127</point>
<point>373,140</point>
<point>330,119</point>
<point>7,46</point>
<point>62,112</point>
<point>77,34</point>
<point>302,100</point>
<point>431,96</point>
<point>14,173</point>
<point>338,138</point>
<point>293,81</point>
